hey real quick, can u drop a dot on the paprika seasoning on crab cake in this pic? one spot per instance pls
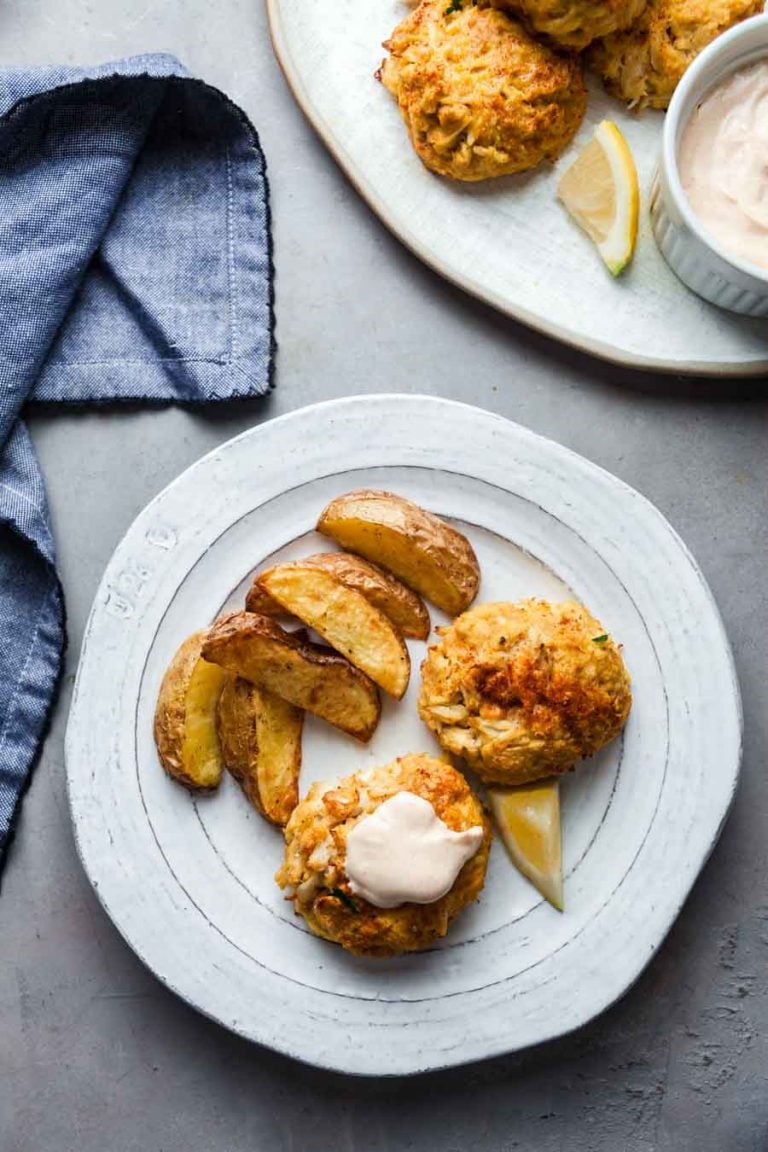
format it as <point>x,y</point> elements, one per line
<point>522,691</point>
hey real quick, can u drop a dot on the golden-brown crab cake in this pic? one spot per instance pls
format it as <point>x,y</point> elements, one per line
<point>575,23</point>
<point>314,867</point>
<point>480,97</point>
<point>522,691</point>
<point>644,64</point>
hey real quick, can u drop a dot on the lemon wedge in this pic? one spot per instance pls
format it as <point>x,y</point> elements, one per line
<point>601,192</point>
<point>528,820</point>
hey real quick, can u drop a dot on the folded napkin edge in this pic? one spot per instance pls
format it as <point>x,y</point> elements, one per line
<point>37,721</point>
<point>182,77</point>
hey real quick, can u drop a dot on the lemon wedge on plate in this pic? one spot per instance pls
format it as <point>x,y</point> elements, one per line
<point>601,192</point>
<point>528,820</point>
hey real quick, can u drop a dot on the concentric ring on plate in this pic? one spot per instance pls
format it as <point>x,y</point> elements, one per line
<point>178,906</point>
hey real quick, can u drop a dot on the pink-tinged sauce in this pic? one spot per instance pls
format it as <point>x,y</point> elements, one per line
<point>403,853</point>
<point>723,163</point>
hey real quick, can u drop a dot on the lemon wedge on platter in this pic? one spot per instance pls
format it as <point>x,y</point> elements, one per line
<point>528,821</point>
<point>600,191</point>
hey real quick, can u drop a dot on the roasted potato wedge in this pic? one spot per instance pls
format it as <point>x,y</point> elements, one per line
<point>419,548</point>
<point>307,675</point>
<point>343,617</point>
<point>185,718</point>
<point>260,602</point>
<point>260,736</point>
<point>404,608</point>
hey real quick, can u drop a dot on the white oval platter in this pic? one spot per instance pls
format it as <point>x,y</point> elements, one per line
<point>507,241</point>
<point>188,881</point>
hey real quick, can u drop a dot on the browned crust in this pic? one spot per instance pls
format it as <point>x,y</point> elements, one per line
<point>241,625</point>
<point>259,601</point>
<point>241,705</point>
<point>480,96</point>
<point>170,711</point>
<point>524,690</point>
<point>226,639</point>
<point>443,544</point>
<point>528,682</point>
<point>400,604</point>
<point>574,24</point>
<point>644,63</point>
<point>238,735</point>
<point>358,629</point>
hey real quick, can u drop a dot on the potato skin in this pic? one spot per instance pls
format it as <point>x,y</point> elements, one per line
<point>418,547</point>
<point>345,619</point>
<point>171,713</point>
<point>261,603</point>
<point>307,675</point>
<point>522,691</point>
<point>315,856</point>
<point>404,608</point>
<point>402,605</point>
<point>260,738</point>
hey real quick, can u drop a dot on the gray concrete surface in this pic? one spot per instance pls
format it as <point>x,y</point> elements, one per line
<point>95,1056</point>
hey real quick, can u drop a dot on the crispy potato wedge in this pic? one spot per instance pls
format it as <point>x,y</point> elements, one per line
<point>260,736</point>
<point>420,549</point>
<point>260,602</point>
<point>343,617</point>
<point>307,675</point>
<point>185,718</point>
<point>404,608</point>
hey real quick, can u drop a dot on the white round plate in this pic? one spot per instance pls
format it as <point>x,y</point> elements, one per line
<point>189,882</point>
<point>506,241</point>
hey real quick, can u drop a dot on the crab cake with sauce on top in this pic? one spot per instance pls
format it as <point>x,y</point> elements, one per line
<point>382,861</point>
<point>644,64</point>
<point>479,96</point>
<point>522,691</point>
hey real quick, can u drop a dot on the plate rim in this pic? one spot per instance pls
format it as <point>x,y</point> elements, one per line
<point>327,1060</point>
<point>610,354</point>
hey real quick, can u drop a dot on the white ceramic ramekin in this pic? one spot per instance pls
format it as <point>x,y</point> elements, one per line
<point>695,256</point>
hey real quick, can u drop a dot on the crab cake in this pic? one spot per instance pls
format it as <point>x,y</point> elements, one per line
<point>575,23</point>
<point>479,96</point>
<point>644,64</point>
<point>314,867</point>
<point>522,691</point>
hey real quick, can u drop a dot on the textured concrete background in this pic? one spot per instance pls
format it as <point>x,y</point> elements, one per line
<point>95,1056</point>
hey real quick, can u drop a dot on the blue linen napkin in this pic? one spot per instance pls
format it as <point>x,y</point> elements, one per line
<point>135,263</point>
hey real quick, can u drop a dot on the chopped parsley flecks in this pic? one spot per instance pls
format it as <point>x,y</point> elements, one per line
<point>341,895</point>
<point>600,639</point>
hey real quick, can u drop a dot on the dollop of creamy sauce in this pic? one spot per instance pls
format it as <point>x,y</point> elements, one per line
<point>723,163</point>
<point>403,853</point>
